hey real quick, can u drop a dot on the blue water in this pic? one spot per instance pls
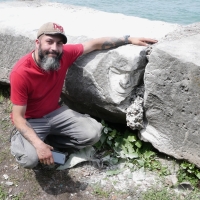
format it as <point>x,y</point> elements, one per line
<point>173,11</point>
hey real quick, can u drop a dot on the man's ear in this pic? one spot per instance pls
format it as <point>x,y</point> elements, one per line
<point>37,42</point>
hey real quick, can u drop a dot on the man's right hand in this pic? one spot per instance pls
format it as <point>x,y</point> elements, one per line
<point>44,154</point>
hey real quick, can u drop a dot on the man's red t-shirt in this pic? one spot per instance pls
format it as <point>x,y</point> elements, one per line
<point>37,89</point>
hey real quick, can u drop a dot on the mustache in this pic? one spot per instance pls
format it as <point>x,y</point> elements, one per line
<point>52,52</point>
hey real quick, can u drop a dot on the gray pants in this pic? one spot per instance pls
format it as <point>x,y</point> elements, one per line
<point>64,127</point>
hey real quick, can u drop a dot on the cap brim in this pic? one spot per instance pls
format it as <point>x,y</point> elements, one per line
<point>56,33</point>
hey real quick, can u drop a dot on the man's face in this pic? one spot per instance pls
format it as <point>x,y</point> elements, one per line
<point>50,52</point>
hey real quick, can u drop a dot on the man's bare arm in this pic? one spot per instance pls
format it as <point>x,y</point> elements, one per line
<point>111,42</point>
<point>42,149</point>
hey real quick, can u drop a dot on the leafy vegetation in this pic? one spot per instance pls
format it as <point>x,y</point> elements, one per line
<point>165,194</point>
<point>100,191</point>
<point>3,194</point>
<point>124,144</point>
<point>189,172</point>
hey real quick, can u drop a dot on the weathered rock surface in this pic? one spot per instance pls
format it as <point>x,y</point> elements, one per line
<point>104,83</point>
<point>11,49</point>
<point>182,32</point>
<point>171,101</point>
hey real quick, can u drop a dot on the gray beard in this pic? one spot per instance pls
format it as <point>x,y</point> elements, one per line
<point>49,63</point>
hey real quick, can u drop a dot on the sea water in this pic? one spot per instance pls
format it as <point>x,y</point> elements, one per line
<point>181,12</point>
<point>173,11</point>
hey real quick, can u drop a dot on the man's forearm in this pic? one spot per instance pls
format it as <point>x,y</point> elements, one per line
<point>43,150</point>
<point>24,127</point>
<point>27,132</point>
<point>103,43</point>
<point>113,42</point>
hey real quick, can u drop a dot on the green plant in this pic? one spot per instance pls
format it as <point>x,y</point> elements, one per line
<point>147,159</point>
<point>3,194</point>
<point>125,144</point>
<point>159,194</point>
<point>188,172</point>
<point>8,108</point>
<point>1,97</point>
<point>18,196</point>
<point>98,190</point>
<point>155,193</point>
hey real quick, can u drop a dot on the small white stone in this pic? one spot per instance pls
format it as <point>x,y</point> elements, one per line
<point>9,183</point>
<point>5,176</point>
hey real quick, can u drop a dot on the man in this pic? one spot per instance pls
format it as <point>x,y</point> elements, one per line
<point>36,83</point>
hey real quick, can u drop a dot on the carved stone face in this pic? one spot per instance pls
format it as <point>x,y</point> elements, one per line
<point>121,81</point>
<point>124,75</point>
<point>118,72</point>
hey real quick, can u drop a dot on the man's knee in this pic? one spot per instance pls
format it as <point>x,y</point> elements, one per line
<point>27,161</point>
<point>31,163</point>
<point>24,153</point>
<point>92,131</point>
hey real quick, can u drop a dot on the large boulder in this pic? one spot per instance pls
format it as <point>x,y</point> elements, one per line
<point>172,93</point>
<point>104,83</point>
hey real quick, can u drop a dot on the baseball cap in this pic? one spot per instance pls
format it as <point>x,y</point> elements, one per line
<point>51,28</point>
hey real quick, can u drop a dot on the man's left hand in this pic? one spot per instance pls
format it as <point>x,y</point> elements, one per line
<point>142,41</point>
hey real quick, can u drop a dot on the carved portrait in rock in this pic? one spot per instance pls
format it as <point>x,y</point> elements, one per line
<point>120,71</point>
<point>105,81</point>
